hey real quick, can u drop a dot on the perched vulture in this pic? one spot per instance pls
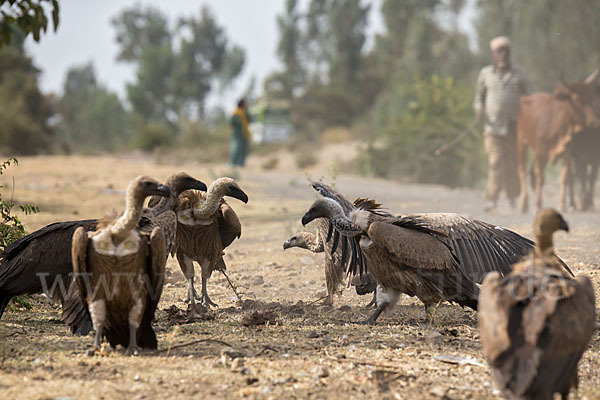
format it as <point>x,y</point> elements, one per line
<point>41,261</point>
<point>334,269</point>
<point>119,271</point>
<point>206,225</point>
<point>536,322</point>
<point>435,257</point>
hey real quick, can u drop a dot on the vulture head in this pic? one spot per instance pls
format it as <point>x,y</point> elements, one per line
<point>300,239</point>
<point>182,181</point>
<point>547,222</point>
<point>143,186</point>
<point>229,187</point>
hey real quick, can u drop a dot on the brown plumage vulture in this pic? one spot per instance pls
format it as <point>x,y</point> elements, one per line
<point>436,257</point>
<point>206,225</point>
<point>119,271</point>
<point>334,269</point>
<point>536,322</point>
<point>41,261</point>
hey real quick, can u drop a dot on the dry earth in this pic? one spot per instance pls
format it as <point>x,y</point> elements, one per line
<point>306,350</point>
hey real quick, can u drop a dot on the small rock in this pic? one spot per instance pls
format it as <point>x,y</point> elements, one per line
<point>37,361</point>
<point>435,337</point>
<point>258,280</point>
<point>345,308</point>
<point>292,286</point>
<point>312,282</point>
<point>237,364</point>
<point>136,377</point>
<point>321,372</point>
<point>312,335</point>
<point>438,391</point>
<point>231,353</point>
<point>251,380</point>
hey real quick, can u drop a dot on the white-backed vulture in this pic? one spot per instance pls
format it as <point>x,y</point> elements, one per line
<point>536,322</point>
<point>119,271</point>
<point>206,225</point>
<point>41,261</point>
<point>334,269</point>
<point>435,257</point>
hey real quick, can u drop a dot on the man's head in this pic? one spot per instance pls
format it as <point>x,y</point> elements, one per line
<point>500,47</point>
<point>242,103</point>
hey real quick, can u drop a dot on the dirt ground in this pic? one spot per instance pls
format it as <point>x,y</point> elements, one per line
<point>306,350</point>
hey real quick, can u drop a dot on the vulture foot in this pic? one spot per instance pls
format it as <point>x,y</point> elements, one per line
<point>132,351</point>
<point>373,301</point>
<point>192,295</point>
<point>207,302</point>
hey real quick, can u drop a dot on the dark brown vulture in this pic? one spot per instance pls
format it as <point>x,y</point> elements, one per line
<point>536,322</point>
<point>41,261</point>
<point>119,271</point>
<point>435,257</point>
<point>334,270</point>
<point>206,225</point>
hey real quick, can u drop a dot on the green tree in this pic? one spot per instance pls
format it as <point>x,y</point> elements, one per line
<point>25,111</point>
<point>289,50</point>
<point>93,118</point>
<point>26,17</point>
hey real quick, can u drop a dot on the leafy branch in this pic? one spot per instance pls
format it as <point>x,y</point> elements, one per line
<point>11,227</point>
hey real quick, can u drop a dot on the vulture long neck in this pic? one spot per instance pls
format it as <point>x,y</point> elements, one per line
<point>544,245</point>
<point>134,203</point>
<point>214,195</point>
<point>167,203</point>
<point>312,242</point>
<point>343,223</point>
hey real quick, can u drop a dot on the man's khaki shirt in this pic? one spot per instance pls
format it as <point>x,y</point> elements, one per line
<point>499,96</point>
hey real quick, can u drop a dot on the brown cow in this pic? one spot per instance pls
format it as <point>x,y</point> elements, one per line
<point>585,164</point>
<point>547,123</point>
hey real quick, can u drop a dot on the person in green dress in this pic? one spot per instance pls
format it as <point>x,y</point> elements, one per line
<point>240,135</point>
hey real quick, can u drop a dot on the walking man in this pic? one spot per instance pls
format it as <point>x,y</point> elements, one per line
<point>240,136</point>
<point>497,93</point>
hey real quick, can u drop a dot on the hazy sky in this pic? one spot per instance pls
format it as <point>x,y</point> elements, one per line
<point>86,34</point>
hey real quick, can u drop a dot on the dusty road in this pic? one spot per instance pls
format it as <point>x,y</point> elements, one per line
<point>309,350</point>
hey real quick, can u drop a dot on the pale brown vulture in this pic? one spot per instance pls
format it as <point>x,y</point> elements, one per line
<point>41,261</point>
<point>334,269</point>
<point>119,271</point>
<point>536,322</point>
<point>435,257</point>
<point>206,225</point>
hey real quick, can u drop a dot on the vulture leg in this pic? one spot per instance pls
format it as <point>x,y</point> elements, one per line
<point>205,299</point>
<point>380,308</point>
<point>206,273</point>
<point>187,267</point>
<point>98,314</point>
<point>135,318</point>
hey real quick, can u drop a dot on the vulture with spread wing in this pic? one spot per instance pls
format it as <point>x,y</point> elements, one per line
<point>119,271</point>
<point>206,225</point>
<point>435,257</point>
<point>41,261</point>
<point>536,322</point>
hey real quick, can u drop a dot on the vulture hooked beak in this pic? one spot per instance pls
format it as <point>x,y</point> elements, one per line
<point>198,185</point>
<point>238,193</point>
<point>287,244</point>
<point>162,190</point>
<point>564,226</point>
<point>308,217</point>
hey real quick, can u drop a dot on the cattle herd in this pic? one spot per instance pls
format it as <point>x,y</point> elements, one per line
<point>563,125</point>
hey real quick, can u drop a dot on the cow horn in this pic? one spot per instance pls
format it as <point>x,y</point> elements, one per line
<point>593,76</point>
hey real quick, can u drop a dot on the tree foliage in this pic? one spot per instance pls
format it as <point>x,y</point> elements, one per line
<point>11,227</point>
<point>28,16</point>
<point>93,118</point>
<point>25,111</point>
<point>177,66</point>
